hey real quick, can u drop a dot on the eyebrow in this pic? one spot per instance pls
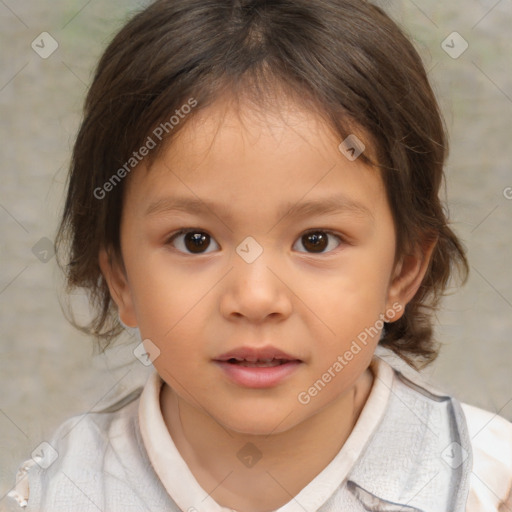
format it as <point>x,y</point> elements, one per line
<point>324,206</point>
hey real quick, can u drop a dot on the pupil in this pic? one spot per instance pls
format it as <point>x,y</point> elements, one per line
<point>318,241</point>
<point>195,241</point>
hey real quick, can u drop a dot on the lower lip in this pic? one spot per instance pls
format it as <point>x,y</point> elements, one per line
<point>258,377</point>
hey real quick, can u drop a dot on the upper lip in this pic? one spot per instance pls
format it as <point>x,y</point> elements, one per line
<point>256,354</point>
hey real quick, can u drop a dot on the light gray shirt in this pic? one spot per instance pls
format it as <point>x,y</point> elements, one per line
<point>413,449</point>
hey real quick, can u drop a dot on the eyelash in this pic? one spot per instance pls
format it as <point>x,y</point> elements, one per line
<point>185,231</point>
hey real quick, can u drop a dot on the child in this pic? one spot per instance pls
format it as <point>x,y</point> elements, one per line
<point>254,187</point>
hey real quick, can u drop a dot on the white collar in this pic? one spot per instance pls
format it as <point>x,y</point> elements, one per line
<point>184,489</point>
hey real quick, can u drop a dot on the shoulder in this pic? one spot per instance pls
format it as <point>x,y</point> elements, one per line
<point>491,477</point>
<point>485,438</point>
<point>65,472</point>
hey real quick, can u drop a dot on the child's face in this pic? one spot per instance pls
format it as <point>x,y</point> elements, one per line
<point>198,301</point>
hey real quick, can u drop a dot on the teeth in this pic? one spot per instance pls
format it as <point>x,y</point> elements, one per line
<point>262,363</point>
<point>253,359</point>
<point>257,362</point>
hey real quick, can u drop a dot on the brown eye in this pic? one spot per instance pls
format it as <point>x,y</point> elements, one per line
<point>193,241</point>
<point>317,241</point>
<point>197,242</point>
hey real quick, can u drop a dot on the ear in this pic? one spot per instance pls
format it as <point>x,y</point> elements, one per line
<point>115,275</point>
<point>408,275</point>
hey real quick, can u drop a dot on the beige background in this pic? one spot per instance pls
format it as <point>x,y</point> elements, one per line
<point>48,371</point>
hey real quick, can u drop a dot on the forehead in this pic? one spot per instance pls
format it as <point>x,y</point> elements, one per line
<point>231,151</point>
<point>225,126</point>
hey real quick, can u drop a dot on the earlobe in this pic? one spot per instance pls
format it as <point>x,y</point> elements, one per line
<point>115,276</point>
<point>408,275</point>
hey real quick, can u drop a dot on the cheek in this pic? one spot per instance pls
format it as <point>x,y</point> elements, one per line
<point>160,294</point>
<point>173,307</point>
<point>364,279</point>
<point>376,267</point>
<point>355,299</point>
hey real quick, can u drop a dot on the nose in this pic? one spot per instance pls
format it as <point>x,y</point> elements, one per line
<point>256,291</point>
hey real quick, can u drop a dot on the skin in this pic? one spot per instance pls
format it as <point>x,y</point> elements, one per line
<point>195,306</point>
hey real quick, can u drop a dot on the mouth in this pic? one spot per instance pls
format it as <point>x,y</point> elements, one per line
<point>252,368</point>
<point>260,363</point>
<point>257,357</point>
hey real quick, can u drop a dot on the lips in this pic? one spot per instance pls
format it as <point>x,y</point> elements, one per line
<point>258,368</point>
<point>254,357</point>
<point>263,363</point>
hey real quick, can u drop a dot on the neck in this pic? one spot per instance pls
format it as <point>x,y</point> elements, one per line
<point>289,460</point>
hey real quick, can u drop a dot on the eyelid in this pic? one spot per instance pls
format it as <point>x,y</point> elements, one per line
<point>323,230</point>
<point>183,231</point>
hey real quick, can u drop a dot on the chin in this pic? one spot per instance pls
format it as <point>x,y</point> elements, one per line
<point>261,424</point>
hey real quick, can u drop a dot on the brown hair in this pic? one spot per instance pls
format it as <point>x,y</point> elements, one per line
<point>344,59</point>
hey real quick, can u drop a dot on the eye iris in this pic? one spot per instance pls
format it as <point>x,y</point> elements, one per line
<point>195,241</point>
<point>314,242</point>
<point>318,240</point>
